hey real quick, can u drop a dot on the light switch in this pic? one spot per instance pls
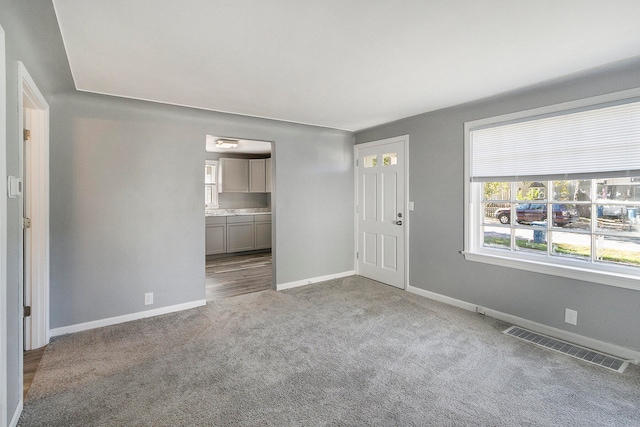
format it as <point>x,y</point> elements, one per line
<point>411,206</point>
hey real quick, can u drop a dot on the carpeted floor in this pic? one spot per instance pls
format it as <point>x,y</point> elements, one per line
<point>347,352</point>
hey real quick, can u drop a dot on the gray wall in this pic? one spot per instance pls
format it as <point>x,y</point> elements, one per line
<point>33,38</point>
<point>127,195</point>
<point>436,184</point>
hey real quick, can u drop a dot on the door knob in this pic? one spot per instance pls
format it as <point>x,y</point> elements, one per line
<point>398,222</point>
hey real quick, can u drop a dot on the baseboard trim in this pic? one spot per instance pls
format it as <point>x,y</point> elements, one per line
<point>298,283</point>
<point>17,413</point>
<point>629,355</point>
<point>125,318</point>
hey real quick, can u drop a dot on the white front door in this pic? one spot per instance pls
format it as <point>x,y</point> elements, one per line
<point>380,210</point>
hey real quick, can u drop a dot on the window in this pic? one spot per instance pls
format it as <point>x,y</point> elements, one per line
<point>557,190</point>
<point>210,188</point>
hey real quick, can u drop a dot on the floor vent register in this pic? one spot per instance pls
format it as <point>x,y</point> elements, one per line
<point>572,350</point>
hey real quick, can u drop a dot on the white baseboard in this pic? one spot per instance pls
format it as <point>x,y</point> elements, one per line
<point>16,414</point>
<point>125,318</point>
<point>312,280</point>
<point>629,355</point>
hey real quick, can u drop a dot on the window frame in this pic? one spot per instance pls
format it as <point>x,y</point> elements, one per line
<point>611,275</point>
<point>214,185</point>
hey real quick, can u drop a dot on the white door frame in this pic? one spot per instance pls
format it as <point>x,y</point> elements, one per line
<point>3,232</point>
<point>405,229</point>
<point>37,155</point>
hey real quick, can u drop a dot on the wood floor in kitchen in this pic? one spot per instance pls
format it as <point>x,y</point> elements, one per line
<point>229,276</point>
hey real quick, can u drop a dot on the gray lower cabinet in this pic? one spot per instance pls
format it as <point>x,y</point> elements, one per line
<point>263,233</point>
<point>216,235</point>
<point>228,234</point>
<point>240,233</point>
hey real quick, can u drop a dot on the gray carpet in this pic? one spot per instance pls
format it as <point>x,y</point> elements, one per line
<point>347,352</point>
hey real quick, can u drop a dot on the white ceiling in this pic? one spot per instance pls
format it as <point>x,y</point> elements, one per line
<point>346,64</point>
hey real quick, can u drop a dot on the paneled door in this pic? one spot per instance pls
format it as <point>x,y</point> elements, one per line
<point>380,211</point>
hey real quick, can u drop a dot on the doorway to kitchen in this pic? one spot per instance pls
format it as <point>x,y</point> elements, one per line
<point>238,216</point>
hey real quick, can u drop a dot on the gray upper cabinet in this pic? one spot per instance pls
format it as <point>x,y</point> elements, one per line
<point>244,176</point>
<point>234,176</point>
<point>267,166</point>
<point>257,175</point>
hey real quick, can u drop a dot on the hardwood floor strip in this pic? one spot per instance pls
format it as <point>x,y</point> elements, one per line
<point>229,276</point>
<point>31,361</point>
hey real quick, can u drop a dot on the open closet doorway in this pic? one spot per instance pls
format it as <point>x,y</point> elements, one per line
<point>238,216</point>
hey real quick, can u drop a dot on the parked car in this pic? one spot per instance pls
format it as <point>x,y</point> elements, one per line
<point>529,212</point>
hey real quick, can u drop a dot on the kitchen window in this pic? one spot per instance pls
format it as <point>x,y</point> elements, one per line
<point>557,190</point>
<point>210,184</point>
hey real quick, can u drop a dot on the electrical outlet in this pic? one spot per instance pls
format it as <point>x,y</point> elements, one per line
<point>571,316</point>
<point>148,298</point>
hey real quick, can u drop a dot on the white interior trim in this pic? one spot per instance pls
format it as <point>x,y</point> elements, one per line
<point>629,355</point>
<point>3,232</point>
<point>310,281</point>
<point>79,327</point>
<point>16,415</point>
<point>38,192</point>
<point>406,219</point>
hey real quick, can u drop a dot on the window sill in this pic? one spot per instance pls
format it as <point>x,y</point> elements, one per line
<point>569,270</point>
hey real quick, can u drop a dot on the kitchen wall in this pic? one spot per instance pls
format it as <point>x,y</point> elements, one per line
<point>436,182</point>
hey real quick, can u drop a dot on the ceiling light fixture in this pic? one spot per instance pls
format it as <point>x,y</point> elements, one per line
<point>226,143</point>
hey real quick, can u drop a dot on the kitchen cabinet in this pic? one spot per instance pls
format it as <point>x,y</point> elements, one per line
<point>257,175</point>
<point>234,176</point>
<point>268,174</point>
<point>240,233</point>
<point>244,175</point>
<point>263,231</point>
<point>216,235</point>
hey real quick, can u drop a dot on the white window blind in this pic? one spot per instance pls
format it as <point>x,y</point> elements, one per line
<point>601,140</point>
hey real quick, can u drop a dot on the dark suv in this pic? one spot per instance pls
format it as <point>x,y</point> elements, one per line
<point>529,212</point>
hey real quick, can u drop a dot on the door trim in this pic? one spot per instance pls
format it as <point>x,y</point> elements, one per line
<point>29,96</point>
<point>407,219</point>
<point>3,232</point>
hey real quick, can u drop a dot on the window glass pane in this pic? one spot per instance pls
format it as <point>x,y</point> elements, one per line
<point>528,213</point>
<point>618,250</point>
<point>371,161</point>
<point>532,240</point>
<point>531,190</point>
<point>389,159</point>
<point>209,174</point>
<point>618,189</point>
<point>208,195</point>
<point>573,245</point>
<point>617,217</point>
<point>578,191</point>
<point>497,237</point>
<point>495,213</point>
<point>496,191</point>
<point>566,215</point>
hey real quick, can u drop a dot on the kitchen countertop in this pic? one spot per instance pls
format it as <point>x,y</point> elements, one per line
<point>238,212</point>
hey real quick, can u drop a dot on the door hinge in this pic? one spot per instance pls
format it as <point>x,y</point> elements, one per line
<point>357,162</point>
<point>357,208</point>
<point>26,134</point>
<point>26,223</point>
<point>27,311</point>
<point>357,255</point>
